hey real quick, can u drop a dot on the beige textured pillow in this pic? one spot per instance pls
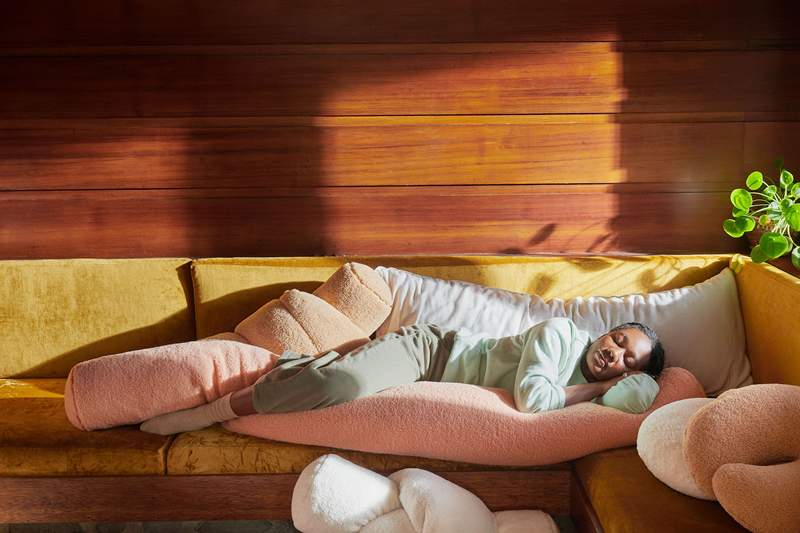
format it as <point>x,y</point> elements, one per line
<point>339,316</point>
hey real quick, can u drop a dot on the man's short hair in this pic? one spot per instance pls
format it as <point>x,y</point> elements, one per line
<point>656,362</point>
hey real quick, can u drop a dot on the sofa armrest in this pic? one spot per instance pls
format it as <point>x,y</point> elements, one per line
<point>770,300</point>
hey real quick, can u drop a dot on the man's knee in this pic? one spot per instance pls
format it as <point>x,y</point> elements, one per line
<point>337,386</point>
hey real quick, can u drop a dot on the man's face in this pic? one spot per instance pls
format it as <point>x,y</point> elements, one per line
<point>615,353</point>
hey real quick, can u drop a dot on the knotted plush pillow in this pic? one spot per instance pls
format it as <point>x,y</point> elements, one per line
<point>741,449</point>
<point>333,495</point>
<point>745,448</point>
<point>130,387</point>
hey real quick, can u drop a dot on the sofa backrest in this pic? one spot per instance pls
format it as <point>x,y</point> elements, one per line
<point>55,313</point>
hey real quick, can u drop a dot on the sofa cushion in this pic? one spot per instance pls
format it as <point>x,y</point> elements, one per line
<point>36,439</point>
<point>55,313</point>
<point>215,450</point>
<point>627,498</point>
<point>229,289</point>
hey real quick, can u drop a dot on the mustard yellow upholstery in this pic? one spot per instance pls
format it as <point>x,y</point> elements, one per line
<point>55,313</point>
<point>629,499</point>
<point>227,290</point>
<point>770,302</point>
<point>36,439</point>
<point>215,450</point>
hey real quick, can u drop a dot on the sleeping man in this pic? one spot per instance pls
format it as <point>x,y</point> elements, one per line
<point>550,365</point>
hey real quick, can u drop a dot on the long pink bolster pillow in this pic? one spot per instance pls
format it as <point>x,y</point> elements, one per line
<point>130,387</point>
<point>458,422</point>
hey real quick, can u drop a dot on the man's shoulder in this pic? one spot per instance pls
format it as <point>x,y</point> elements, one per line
<point>560,324</point>
<point>555,329</point>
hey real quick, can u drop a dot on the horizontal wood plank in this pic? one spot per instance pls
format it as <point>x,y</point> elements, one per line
<point>121,22</point>
<point>241,497</point>
<point>361,220</point>
<point>570,78</point>
<point>765,142</point>
<point>119,154</point>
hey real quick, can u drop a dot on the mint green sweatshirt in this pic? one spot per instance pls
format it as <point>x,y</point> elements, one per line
<point>535,365</point>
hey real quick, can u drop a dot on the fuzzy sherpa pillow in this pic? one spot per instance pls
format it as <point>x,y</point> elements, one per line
<point>660,445</point>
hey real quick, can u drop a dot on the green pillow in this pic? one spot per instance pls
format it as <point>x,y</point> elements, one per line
<point>633,394</point>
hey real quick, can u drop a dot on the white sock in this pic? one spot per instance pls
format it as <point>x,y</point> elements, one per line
<point>191,419</point>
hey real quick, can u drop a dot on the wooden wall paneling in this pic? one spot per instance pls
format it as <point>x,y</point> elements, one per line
<point>196,22</point>
<point>764,142</point>
<point>362,220</point>
<point>345,151</point>
<point>401,80</point>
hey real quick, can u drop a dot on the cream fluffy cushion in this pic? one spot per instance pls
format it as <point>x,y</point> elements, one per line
<point>660,445</point>
<point>334,495</point>
<point>700,326</point>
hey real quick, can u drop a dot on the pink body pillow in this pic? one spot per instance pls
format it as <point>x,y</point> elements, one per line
<point>459,422</point>
<point>130,387</point>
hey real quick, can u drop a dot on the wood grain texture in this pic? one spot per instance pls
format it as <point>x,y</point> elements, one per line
<point>456,150</point>
<point>361,220</point>
<point>444,80</point>
<point>765,142</point>
<point>580,509</point>
<point>243,497</point>
<point>120,22</point>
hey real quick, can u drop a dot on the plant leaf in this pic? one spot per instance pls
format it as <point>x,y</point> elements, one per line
<point>745,224</point>
<point>738,212</point>
<point>795,190</point>
<point>773,245</point>
<point>793,217</point>
<point>755,180</point>
<point>770,191</point>
<point>763,220</point>
<point>731,228</point>
<point>742,199</point>
<point>786,178</point>
<point>757,254</point>
<point>796,257</point>
<point>786,203</point>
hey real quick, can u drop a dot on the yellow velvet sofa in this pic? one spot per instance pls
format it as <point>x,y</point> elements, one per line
<point>55,313</point>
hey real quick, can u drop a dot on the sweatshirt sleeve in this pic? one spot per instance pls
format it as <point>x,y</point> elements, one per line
<point>536,386</point>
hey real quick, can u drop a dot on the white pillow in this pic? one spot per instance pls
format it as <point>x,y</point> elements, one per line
<point>660,445</point>
<point>700,326</point>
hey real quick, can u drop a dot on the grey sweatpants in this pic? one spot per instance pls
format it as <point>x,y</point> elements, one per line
<point>301,382</point>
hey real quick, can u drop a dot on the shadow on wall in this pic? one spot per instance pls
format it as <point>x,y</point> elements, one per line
<point>281,174</point>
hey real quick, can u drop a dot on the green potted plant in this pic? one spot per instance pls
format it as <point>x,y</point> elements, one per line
<point>771,211</point>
